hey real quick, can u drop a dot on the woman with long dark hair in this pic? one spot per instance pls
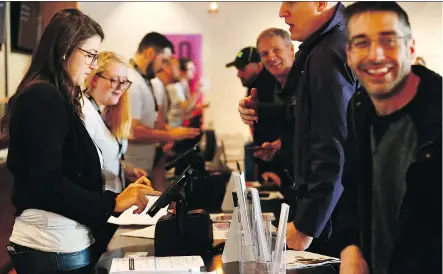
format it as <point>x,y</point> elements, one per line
<point>61,206</point>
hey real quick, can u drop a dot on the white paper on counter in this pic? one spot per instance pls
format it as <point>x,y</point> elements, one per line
<point>129,218</point>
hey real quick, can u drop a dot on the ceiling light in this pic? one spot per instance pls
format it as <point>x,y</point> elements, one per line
<point>213,7</point>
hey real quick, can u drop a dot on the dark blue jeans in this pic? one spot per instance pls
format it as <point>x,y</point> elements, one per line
<point>27,260</point>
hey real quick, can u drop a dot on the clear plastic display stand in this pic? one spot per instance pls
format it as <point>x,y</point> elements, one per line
<point>250,239</point>
<point>261,254</point>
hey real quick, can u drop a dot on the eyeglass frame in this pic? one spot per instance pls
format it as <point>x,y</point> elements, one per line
<point>119,83</point>
<point>87,55</point>
<point>378,40</point>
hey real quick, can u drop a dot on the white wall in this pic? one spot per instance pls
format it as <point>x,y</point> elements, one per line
<point>426,23</point>
<point>18,63</point>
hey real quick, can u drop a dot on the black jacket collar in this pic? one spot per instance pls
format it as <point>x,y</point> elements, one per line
<point>428,119</point>
<point>337,21</point>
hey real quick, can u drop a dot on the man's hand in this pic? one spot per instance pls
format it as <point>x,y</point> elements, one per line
<point>132,173</point>
<point>271,178</point>
<point>296,239</point>
<point>352,261</point>
<point>248,108</point>
<point>269,150</point>
<point>184,133</point>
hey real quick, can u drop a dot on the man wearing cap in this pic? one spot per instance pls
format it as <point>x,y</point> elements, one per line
<point>248,65</point>
<point>253,75</point>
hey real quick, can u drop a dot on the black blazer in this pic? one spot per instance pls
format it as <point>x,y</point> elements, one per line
<point>54,161</point>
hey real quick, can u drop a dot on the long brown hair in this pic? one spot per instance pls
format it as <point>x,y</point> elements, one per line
<point>67,30</point>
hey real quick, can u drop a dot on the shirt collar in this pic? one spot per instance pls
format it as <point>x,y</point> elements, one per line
<point>337,21</point>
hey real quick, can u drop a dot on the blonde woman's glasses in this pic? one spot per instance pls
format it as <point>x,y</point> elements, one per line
<point>116,84</point>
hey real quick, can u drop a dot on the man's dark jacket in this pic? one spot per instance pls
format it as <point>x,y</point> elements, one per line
<point>418,246</point>
<point>318,90</point>
<point>266,131</point>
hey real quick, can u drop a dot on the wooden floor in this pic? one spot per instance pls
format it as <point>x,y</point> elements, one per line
<point>6,215</point>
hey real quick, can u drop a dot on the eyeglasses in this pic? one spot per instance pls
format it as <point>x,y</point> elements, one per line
<point>389,42</point>
<point>116,84</point>
<point>90,58</point>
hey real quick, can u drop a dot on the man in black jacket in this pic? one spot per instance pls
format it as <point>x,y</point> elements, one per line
<point>249,66</point>
<point>317,92</point>
<point>392,180</point>
<point>254,76</point>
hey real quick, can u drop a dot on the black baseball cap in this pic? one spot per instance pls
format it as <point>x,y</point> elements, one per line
<point>244,57</point>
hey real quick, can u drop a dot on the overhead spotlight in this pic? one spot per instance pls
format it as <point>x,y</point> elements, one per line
<point>213,7</point>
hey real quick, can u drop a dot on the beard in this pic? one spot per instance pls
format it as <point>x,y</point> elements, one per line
<point>396,89</point>
<point>244,82</point>
<point>150,73</point>
<point>248,82</point>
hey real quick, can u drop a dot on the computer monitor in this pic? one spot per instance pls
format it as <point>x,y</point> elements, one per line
<point>172,193</point>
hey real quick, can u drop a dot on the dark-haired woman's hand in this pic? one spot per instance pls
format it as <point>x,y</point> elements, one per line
<point>135,194</point>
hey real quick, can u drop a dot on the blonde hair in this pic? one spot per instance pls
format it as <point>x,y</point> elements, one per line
<point>117,117</point>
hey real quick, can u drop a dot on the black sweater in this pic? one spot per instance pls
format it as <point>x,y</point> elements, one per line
<point>54,161</point>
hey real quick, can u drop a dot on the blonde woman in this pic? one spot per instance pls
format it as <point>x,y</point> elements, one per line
<point>108,120</point>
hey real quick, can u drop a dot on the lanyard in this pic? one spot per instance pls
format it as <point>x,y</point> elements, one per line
<point>120,144</point>
<point>148,81</point>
